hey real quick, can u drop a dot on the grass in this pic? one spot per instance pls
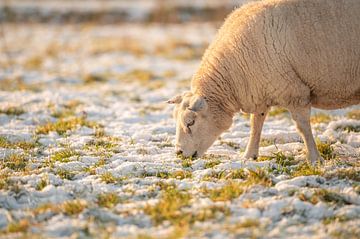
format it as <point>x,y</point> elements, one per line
<point>108,178</point>
<point>102,143</point>
<point>108,200</point>
<point>4,143</point>
<point>320,118</point>
<point>230,191</point>
<point>345,173</point>
<point>275,111</point>
<point>231,144</point>
<point>325,150</point>
<point>305,169</point>
<point>212,163</point>
<point>64,155</point>
<point>179,174</point>
<point>74,207</point>
<point>233,189</point>
<point>4,180</point>
<point>12,110</point>
<point>65,174</point>
<point>354,114</point>
<point>19,226</point>
<point>350,128</point>
<point>16,162</point>
<point>169,205</point>
<point>280,158</point>
<point>186,162</point>
<point>44,181</point>
<point>18,84</point>
<point>266,142</point>
<point>326,196</point>
<point>34,62</point>
<point>94,78</point>
<point>63,125</point>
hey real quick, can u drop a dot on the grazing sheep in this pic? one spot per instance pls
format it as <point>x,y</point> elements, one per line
<point>295,54</point>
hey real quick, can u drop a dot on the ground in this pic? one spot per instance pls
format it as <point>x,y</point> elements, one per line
<point>87,145</point>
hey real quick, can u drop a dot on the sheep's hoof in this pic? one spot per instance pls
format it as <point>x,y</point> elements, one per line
<point>250,156</point>
<point>316,161</point>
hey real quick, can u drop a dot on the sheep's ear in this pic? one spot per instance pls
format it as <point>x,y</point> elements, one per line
<point>175,100</point>
<point>197,104</point>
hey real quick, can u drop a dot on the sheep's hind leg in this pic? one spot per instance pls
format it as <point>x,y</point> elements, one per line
<point>257,122</point>
<point>301,116</point>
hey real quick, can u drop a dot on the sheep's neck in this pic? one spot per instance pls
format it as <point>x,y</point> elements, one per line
<point>213,82</point>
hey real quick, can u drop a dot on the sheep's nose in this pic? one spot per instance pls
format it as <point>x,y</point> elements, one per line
<point>179,152</point>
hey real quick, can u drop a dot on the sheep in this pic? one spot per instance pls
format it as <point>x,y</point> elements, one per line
<point>296,54</point>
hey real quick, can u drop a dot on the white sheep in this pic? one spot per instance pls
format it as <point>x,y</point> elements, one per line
<point>295,54</point>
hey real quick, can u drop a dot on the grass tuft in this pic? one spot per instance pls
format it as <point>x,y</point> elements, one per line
<point>108,178</point>
<point>169,206</point>
<point>108,200</point>
<point>305,169</point>
<point>63,125</point>
<point>20,226</point>
<point>230,191</point>
<point>275,111</point>
<point>12,110</point>
<point>16,162</point>
<point>74,207</point>
<point>44,181</point>
<point>4,143</point>
<point>325,150</point>
<point>320,118</point>
<point>354,114</point>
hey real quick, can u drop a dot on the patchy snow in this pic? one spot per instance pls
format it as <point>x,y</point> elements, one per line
<point>65,71</point>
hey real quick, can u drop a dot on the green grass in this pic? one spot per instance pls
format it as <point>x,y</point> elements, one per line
<point>351,128</point>
<point>16,162</point>
<point>19,226</point>
<point>324,195</point>
<point>4,143</point>
<point>64,155</point>
<point>4,180</point>
<point>320,118</point>
<point>345,173</point>
<point>94,78</point>
<point>325,150</point>
<point>108,200</point>
<point>108,178</point>
<point>275,111</point>
<point>168,208</point>
<point>230,191</point>
<point>211,163</point>
<point>280,158</point>
<point>44,181</point>
<point>305,169</point>
<point>233,189</point>
<point>231,144</point>
<point>64,125</point>
<point>73,207</point>
<point>12,111</point>
<point>65,174</point>
<point>354,114</point>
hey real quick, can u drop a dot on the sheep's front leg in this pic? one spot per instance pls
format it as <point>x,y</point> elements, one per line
<point>257,122</point>
<point>301,116</point>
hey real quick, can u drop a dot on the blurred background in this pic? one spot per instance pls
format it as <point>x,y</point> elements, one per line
<point>66,41</point>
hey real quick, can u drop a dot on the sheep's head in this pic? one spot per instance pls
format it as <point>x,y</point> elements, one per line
<point>196,127</point>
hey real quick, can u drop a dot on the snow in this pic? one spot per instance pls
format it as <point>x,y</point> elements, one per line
<point>136,119</point>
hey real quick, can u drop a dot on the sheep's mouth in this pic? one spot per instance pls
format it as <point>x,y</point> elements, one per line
<point>195,155</point>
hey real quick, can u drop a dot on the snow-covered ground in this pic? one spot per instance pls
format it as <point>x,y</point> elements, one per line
<point>87,145</point>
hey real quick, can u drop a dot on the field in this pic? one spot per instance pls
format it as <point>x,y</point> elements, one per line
<point>87,140</point>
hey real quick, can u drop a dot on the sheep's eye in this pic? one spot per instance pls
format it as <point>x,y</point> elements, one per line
<point>191,123</point>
